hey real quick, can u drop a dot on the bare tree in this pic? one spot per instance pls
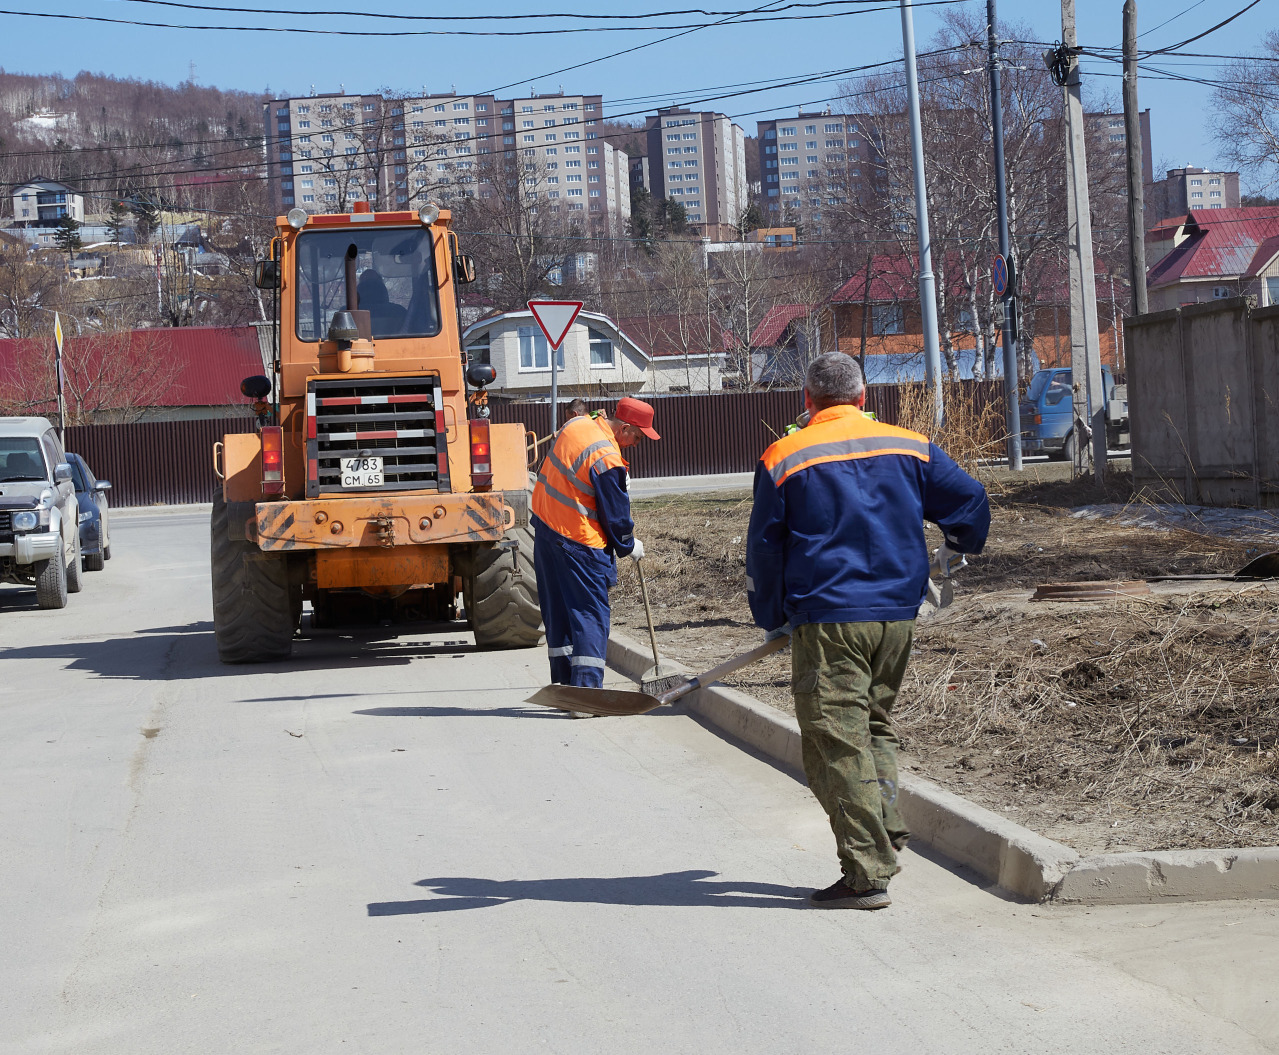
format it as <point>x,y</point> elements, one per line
<point>1247,119</point>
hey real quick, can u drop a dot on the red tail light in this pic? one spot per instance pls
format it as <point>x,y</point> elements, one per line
<point>481,460</point>
<point>272,459</point>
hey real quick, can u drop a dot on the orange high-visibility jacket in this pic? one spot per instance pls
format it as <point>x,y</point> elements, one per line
<point>564,498</point>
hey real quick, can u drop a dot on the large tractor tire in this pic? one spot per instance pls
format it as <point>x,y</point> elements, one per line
<point>254,612</point>
<point>501,604</point>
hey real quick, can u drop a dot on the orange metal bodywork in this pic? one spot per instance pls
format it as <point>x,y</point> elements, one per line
<point>374,569</point>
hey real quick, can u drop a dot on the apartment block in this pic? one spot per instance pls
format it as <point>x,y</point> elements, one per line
<point>1185,190</point>
<point>1109,129</point>
<point>699,160</point>
<point>401,152</point>
<point>811,162</point>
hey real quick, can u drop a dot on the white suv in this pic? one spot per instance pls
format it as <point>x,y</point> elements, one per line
<point>39,516</point>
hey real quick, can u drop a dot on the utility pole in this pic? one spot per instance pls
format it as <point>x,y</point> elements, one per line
<point>1085,344</point>
<point>1136,177</point>
<point>927,284</point>
<point>1012,396</point>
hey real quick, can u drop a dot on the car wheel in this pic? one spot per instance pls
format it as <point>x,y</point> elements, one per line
<point>95,561</point>
<point>106,551</point>
<point>51,583</point>
<point>75,568</point>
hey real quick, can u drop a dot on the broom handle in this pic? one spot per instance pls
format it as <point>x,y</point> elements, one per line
<point>648,612</point>
<point>727,667</point>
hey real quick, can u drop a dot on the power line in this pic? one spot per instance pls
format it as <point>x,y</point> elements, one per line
<point>394,16</point>
<point>1207,32</point>
<point>384,33</point>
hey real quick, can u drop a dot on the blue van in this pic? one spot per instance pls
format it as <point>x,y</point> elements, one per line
<point>1047,413</point>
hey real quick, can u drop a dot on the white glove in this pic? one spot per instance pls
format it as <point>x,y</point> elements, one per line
<point>638,552</point>
<point>947,561</point>
<point>782,631</point>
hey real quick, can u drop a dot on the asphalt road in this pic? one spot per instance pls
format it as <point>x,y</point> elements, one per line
<point>377,848</point>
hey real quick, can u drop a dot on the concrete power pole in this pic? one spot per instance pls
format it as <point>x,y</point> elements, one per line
<point>1136,177</point>
<point>1085,342</point>
<point>927,284</point>
<point>1011,388</point>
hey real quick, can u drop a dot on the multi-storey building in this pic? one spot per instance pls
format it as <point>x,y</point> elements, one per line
<point>399,152</point>
<point>699,160</point>
<point>1187,189</point>
<point>811,162</point>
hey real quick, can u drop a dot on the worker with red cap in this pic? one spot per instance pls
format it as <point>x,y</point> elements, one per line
<point>582,524</point>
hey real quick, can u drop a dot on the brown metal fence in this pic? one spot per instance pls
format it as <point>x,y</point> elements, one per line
<point>154,462</point>
<point>724,433</point>
<point>171,462</point>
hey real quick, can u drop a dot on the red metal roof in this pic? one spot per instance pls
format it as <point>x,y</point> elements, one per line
<point>1220,243</point>
<point>892,279</point>
<point>194,366</point>
<point>773,325</point>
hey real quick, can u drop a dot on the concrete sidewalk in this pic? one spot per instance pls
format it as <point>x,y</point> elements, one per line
<point>675,485</point>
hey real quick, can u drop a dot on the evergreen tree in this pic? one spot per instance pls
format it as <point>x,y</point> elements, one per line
<point>117,220</point>
<point>67,236</point>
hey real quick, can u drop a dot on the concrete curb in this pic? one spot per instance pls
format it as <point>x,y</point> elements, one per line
<point>1017,859</point>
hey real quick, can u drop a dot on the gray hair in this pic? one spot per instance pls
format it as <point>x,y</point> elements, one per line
<point>834,378</point>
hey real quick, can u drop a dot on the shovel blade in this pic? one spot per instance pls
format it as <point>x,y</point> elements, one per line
<point>608,702</point>
<point>1264,567</point>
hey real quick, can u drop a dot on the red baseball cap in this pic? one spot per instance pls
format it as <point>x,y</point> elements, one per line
<point>638,413</point>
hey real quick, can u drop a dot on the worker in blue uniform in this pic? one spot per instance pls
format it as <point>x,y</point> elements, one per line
<point>582,524</point>
<point>836,557</point>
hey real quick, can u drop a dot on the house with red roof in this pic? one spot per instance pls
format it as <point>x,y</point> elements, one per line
<point>135,375</point>
<point>1210,255</point>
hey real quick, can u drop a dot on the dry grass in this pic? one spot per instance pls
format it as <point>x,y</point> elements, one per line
<point>969,434</point>
<point>1174,730</point>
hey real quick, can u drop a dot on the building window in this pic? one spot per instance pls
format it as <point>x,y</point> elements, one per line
<point>601,348</point>
<point>479,350</point>
<point>534,351</point>
<point>886,318</point>
<point>1196,183</point>
<point>1214,183</point>
<point>832,128</point>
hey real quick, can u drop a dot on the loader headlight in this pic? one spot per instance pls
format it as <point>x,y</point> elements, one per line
<point>296,218</point>
<point>429,213</point>
<point>27,520</point>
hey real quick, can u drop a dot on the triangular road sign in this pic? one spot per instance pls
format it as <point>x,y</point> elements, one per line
<point>555,317</point>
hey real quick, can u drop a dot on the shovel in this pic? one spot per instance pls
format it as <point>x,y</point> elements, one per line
<point>1264,567</point>
<point>628,701</point>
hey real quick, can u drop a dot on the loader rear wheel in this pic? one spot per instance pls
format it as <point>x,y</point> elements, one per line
<point>499,591</point>
<point>254,612</point>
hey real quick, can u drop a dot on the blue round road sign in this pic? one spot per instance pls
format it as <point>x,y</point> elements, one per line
<point>999,275</point>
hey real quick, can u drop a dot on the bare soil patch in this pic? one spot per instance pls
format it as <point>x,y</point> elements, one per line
<point>1137,724</point>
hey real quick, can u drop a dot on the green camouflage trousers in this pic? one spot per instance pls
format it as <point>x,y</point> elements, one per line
<point>845,678</point>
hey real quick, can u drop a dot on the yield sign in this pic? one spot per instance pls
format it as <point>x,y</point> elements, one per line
<point>555,317</point>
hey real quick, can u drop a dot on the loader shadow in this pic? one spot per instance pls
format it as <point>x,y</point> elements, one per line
<point>187,652</point>
<point>668,890</point>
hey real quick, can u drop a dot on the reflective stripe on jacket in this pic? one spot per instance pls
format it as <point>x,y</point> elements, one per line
<point>836,532</point>
<point>564,497</point>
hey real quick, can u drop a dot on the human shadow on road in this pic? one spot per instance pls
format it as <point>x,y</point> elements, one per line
<point>673,889</point>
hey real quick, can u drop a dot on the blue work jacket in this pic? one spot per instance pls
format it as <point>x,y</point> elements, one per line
<point>837,530</point>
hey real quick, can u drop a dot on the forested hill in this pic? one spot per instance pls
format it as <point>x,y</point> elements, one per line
<point>116,124</point>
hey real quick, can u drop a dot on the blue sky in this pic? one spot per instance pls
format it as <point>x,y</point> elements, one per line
<point>702,60</point>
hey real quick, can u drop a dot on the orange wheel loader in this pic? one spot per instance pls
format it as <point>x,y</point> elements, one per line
<point>374,487</point>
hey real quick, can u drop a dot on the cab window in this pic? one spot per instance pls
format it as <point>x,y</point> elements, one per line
<point>395,281</point>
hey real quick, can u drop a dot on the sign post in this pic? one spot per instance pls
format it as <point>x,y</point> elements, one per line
<point>57,361</point>
<point>555,317</point>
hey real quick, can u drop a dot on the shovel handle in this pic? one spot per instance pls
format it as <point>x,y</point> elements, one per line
<point>713,675</point>
<point>648,612</point>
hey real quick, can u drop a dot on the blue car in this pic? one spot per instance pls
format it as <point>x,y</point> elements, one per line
<point>95,526</point>
<point>1048,413</point>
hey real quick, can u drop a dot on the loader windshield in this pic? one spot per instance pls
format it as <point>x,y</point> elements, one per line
<point>395,269</point>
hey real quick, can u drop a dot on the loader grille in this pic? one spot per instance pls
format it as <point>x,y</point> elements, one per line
<point>397,419</point>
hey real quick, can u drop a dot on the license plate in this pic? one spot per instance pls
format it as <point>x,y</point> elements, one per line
<point>361,472</point>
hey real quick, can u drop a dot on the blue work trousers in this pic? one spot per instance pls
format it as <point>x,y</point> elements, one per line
<point>572,587</point>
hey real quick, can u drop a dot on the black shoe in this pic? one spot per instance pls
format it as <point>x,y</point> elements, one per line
<point>840,895</point>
